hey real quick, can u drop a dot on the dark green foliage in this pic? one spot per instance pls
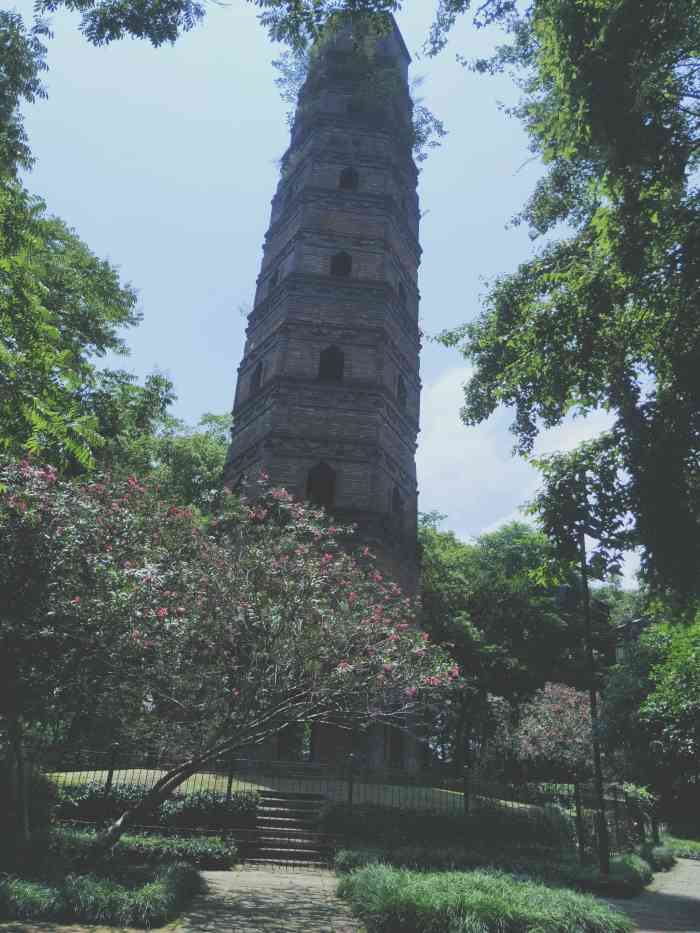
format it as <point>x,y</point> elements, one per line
<point>682,847</point>
<point>389,899</point>
<point>199,810</point>
<point>628,874</point>
<point>209,852</point>
<point>518,826</point>
<point>661,858</point>
<point>94,899</point>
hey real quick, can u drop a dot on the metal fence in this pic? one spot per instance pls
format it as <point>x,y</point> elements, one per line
<point>559,815</point>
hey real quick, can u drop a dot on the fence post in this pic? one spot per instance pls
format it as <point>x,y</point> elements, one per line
<point>113,752</point>
<point>465,790</point>
<point>616,818</point>
<point>580,828</point>
<point>351,778</point>
<point>229,783</point>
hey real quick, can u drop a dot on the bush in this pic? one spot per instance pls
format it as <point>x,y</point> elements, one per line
<point>93,899</point>
<point>682,848</point>
<point>212,852</point>
<point>628,873</point>
<point>388,899</point>
<point>496,825</point>
<point>659,857</point>
<point>202,809</point>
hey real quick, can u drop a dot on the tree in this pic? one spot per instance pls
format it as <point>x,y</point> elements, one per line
<point>60,306</point>
<point>493,606</point>
<point>209,637</point>
<point>651,707</point>
<point>554,733</point>
<point>606,317</point>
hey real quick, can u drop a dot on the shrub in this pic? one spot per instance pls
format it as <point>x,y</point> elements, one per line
<point>628,875</point>
<point>682,848</point>
<point>202,809</point>
<point>73,847</point>
<point>660,858</point>
<point>495,825</point>
<point>93,899</point>
<point>389,899</point>
<point>210,810</point>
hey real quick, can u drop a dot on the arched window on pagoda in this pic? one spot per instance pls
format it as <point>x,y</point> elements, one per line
<point>256,379</point>
<point>341,264</point>
<point>331,366</point>
<point>398,507</point>
<point>320,485</point>
<point>349,179</point>
<point>401,393</point>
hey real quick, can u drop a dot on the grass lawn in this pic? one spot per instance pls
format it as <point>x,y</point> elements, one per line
<point>681,847</point>
<point>387,795</point>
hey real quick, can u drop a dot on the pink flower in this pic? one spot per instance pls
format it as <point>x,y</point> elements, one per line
<point>366,552</point>
<point>327,558</point>
<point>377,577</point>
<point>352,598</point>
<point>424,636</point>
<point>402,626</point>
<point>388,668</point>
<point>344,665</point>
<point>432,681</point>
<point>162,612</point>
<point>75,601</point>
<point>393,637</point>
<point>411,692</point>
<point>236,692</point>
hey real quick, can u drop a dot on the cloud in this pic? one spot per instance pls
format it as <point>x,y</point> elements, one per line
<point>470,473</point>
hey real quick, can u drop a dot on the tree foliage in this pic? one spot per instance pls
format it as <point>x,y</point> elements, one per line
<point>607,316</point>
<point>554,733</point>
<point>123,608</point>
<point>60,306</point>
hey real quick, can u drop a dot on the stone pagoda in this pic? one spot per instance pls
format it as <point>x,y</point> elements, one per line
<point>327,400</point>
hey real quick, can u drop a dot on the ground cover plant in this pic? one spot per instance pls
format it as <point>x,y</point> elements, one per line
<point>203,809</point>
<point>147,900</point>
<point>681,847</point>
<point>629,874</point>
<point>388,899</point>
<point>74,844</point>
<point>509,826</point>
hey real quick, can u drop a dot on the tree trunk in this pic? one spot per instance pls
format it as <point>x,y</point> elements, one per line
<point>603,837</point>
<point>15,735</point>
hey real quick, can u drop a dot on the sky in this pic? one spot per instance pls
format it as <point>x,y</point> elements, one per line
<point>165,162</point>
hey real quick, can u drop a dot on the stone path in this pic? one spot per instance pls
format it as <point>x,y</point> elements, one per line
<point>671,903</point>
<point>256,900</point>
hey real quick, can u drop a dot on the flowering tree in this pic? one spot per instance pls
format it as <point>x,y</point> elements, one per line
<point>213,636</point>
<point>555,732</point>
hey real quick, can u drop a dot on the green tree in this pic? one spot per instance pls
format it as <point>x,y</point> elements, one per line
<point>651,712</point>
<point>494,606</point>
<point>607,316</point>
<point>208,636</point>
<point>60,306</point>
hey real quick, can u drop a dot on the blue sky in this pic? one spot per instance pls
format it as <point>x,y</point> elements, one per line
<point>165,162</point>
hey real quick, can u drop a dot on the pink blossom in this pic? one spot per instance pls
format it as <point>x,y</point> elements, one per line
<point>162,612</point>
<point>388,668</point>
<point>352,598</point>
<point>75,601</point>
<point>393,637</point>
<point>411,692</point>
<point>344,665</point>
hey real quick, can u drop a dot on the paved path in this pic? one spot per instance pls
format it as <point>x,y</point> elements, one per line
<point>671,903</point>
<point>257,900</point>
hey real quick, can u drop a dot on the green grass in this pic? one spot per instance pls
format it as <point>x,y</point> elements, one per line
<point>628,876</point>
<point>682,848</point>
<point>388,795</point>
<point>388,899</point>
<point>90,898</point>
<point>209,852</point>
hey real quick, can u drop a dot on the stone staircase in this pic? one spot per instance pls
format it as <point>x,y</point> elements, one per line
<point>286,831</point>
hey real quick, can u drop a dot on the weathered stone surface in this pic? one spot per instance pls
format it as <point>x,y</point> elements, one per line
<point>347,186</point>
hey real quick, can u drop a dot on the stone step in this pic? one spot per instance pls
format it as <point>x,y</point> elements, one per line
<point>281,819</point>
<point>286,863</point>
